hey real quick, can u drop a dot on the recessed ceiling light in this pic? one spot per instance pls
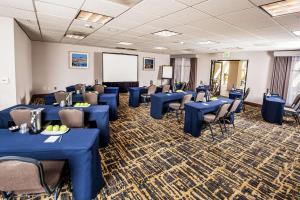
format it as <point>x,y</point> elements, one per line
<point>160,48</point>
<point>282,7</point>
<point>165,33</point>
<point>93,17</point>
<point>207,42</point>
<point>296,33</point>
<point>125,43</point>
<point>75,36</point>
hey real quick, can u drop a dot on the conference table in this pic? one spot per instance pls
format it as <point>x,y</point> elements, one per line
<point>135,95</point>
<point>107,90</point>
<point>103,99</point>
<point>273,109</point>
<point>194,112</point>
<point>79,147</point>
<point>160,102</point>
<point>94,113</point>
<point>237,94</point>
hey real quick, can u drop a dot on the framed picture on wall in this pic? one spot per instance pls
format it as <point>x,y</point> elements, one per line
<point>78,60</point>
<point>149,64</point>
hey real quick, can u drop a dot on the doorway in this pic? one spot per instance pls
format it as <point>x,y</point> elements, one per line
<point>228,74</point>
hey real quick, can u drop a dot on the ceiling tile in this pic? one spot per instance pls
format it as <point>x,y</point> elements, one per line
<point>66,3</point>
<point>191,2</point>
<point>21,4</point>
<point>51,36</point>
<point>263,2</point>
<point>55,10</point>
<point>249,19</point>
<point>104,7</point>
<point>17,13</point>
<point>220,7</point>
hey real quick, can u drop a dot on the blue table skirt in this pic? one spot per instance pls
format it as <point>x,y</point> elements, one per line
<point>99,114</point>
<point>79,147</point>
<point>108,90</point>
<point>103,99</point>
<point>195,111</point>
<point>135,95</point>
<point>237,95</point>
<point>273,109</point>
<point>160,102</point>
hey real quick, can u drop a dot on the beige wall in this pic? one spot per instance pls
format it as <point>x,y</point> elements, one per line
<point>259,70</point>
<point>7,67</point>
<point>23,65</point>
<point>51,66</point>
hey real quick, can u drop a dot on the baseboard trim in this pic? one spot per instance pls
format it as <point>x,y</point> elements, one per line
<point>252,104</point>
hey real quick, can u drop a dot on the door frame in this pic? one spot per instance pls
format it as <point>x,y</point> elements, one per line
<point>222,60</point>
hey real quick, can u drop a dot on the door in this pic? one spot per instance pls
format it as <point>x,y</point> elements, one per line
<point>216,77</point>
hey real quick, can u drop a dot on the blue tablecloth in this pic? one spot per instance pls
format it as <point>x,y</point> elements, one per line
<point>103,99</point>
<point>160,102</point>
<point>79,147</point>
<point>135,95</point>
<point>99,114</point>
<point>272,109</point>
<point>194,112</point>
<point>108,90</point>
<point>237,94</point>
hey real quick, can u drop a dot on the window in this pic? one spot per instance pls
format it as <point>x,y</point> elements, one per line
<point>182,69</point>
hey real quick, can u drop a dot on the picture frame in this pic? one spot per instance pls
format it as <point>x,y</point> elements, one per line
<point>149,64</point>
<point>78,60</point>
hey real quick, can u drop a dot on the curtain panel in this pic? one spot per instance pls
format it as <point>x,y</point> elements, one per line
<point>281,75</point>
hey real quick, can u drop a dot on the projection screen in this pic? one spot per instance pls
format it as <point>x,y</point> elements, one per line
<point>120,67</point>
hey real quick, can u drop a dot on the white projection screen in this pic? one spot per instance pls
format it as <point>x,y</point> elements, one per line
<point>120,67</point>
<point>167,72</point>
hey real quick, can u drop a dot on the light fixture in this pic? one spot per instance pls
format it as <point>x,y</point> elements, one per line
<point>282,7</point>
<point>93,17</point>
<point>125,43</point>
<point>76,36</point>
<point>160,48</point>
<point>207,42</point>
<point>165,33</point>
<point>297,33</point>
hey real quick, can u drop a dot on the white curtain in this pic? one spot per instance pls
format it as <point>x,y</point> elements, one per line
<point>294,81</point>
<point>182,69</point>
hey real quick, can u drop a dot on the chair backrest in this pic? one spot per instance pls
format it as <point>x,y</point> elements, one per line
<point>186,99</point>
<point>296,100</point>
<point>246,94</point>
<point>91,98</point>
<point>222,112</point>
<point>200,96</point>
<point>19,174</point>
<point>72,118</point>
<point>21,116</point>
<point>166,88</point>
<point>79,86</point>
<point>151,89</point>
<point>99,88</point>
<point>60,96</point>
<point>234,105</point>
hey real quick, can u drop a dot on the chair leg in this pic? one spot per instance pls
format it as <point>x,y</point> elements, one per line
<point>224,123</point>
<point>221,128</point>
<point>212,133</point>
<point>177,116</point>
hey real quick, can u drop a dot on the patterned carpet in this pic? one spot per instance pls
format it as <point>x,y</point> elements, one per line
<point>154,159</point>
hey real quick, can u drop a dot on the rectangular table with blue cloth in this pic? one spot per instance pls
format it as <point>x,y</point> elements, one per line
<point>195,111</point>
<point>99,114</point>
<point>273,109</point>
<point>160,102</point>
<point>107,90</point>
<point>135,95</point>
<point>79,147</point>
<point>103,99</point>
<point>237,94</point>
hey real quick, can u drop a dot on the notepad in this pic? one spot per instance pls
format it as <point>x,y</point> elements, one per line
<point>51,139</point>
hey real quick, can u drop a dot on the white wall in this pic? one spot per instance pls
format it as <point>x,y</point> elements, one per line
<point>51,66</point>
<point>23,65</point>
<point>259,70</point>
<point>7,66</point>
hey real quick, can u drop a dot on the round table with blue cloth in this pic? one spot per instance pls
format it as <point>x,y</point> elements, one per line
<point>272,109</point>
<point>237,94</point>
